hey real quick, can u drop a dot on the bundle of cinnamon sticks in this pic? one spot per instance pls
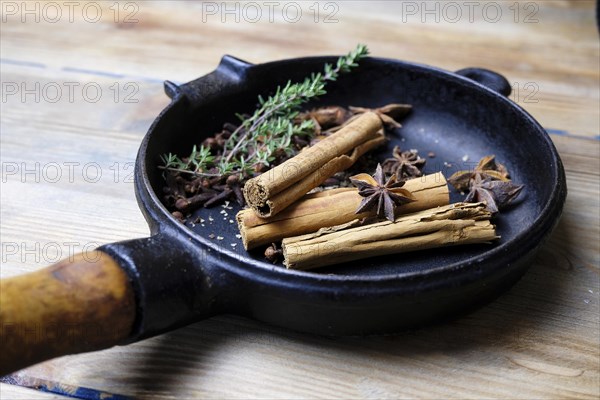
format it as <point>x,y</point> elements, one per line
<point>330,208</point>
<point>323,228</point>
<point>454,224</point>
<point>276,189</point>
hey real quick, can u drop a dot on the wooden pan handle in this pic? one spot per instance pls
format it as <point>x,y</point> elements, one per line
<point>84,303</point>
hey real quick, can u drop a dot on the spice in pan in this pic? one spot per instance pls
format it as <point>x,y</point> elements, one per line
<point>390,114</point>
<point>278,154</point>
<point>270,193</point>
<point>326,117</point>
<point>273,133</point>
<point>489,183</point>
<point>186,191</point>
<point>494,193</point>
<point>332,207</point>
<point>273,253</point>
<point>404,164</point>
<point>487,167</point>
<point>455,224</point>
<point>257,139</point>
<point>379,194</point>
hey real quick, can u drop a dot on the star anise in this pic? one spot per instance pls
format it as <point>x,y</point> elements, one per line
<point>487,168</point>
<point>389,114</point>
<point>496,194</point>
<point>404,164</point>
<point>386,196</point>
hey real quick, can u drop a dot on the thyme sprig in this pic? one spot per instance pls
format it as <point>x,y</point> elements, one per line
<point>195,164</point>
<point>268,132</point>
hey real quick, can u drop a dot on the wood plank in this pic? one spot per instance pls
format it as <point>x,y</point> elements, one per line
<point>539,340</point>
<point>77,165</point>
<point>526,53</point>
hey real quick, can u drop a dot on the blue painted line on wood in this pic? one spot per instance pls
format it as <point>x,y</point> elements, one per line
<point>111,74</point>
<point>560,132</point>
<point>82,393</point>
<point>557,132</point>
<point>22,63</point>
<point>105,74</point>
<point>74,392</point>
<point>93,72</point>
<point>114,75</point>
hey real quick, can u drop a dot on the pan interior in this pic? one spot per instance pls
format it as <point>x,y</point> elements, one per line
<point>454,119</point>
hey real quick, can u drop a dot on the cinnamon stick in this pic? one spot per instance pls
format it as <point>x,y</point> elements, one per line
<point>330,208</point>
<point>454,224</point>
<point>274,190</point>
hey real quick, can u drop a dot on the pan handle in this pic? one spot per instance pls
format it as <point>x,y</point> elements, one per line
<point>175,282</point>
<point>230,70</point>
<point>80,304</point>
<point>117,294</point>
<point>487,78</point>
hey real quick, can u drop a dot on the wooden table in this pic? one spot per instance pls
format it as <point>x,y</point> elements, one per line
<point>66,186</point>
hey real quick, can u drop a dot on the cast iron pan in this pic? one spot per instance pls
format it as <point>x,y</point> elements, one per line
<point>179,275</point>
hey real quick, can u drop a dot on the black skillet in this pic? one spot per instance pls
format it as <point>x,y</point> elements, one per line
<point>180,275</point>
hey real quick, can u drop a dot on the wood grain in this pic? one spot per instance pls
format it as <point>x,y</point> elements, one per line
<point>539,340</point>
<point>82,303</point>
<point>177,41</point>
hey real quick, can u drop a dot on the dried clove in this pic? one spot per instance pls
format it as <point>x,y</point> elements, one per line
<point>273,253</point>
<point>182,187</point>
<point>224,195</point>
<point>191,203</point>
